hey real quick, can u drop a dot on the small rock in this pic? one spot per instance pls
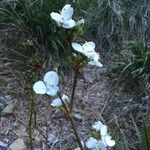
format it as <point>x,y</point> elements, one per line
<point>21,131</point>
<point>9,108</point>
<point>77,117</point>
<point>51,138</point>
<point>18,145</point>
<point>3,146</point>
<point>5,98</point>
<point>146,98</point>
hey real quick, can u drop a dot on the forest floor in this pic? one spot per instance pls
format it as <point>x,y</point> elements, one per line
<point>97,98</point>
<point>91,97</point>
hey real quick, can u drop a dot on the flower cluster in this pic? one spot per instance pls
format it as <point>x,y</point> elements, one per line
<point>103,142</point>
<point>65,20</point>
<point>49,84</point>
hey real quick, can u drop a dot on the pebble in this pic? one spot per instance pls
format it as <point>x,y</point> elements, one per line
<point>18,145</point>
<point>77,117</point>
<point>52,138</point>
<point>3,146</point>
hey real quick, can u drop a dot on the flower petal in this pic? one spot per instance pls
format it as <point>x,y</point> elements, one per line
<point>89,54</point>
<point>95,63</point>
<point>57,17</point>
<point>108,141</point>
<point>51,78</point>
<point>77,47</point>
<point>65,98</point>
<point>39,87</point>
<point>89,46</point>
<point>103,130</point>
<point>52,90</point>
<point>56,102</point>
<point>67,12</point>
<point>97,126</point>
<point>69,24</point>
<point>102,146</point>
<point>91,143</point>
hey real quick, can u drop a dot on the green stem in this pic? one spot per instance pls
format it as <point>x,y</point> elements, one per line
<point>74,88</point>
<point>34,114</point>
<point>30,123</point>
<point>72,123</point>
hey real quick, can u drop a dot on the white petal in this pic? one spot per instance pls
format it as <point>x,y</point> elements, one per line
<point>39,87</point>
<point>67,12</point>
<point>56,102</point>
<point>89,54</point>
<point>95,63</point>
<point>77,47</point>
<point>57,17</point>
<point>52,90</point>
<point>51,78</point>
<point>69,24</point>
<point>102,146</point>
<point>91,143</point>
<point>103,130</point>
<point>65,98</point>
<point>108,141</point>
<point>98,64</point>
<point>97,126</point>
<point>89,46</point>
<point>95,56</point>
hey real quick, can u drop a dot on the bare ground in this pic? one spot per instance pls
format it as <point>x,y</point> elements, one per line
<point>91,97</point>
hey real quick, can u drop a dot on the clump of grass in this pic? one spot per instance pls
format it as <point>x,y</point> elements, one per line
<point>137,71</point>
<point>33,17</point>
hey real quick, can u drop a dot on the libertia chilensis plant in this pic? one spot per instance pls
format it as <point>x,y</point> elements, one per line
<point>84,54</point>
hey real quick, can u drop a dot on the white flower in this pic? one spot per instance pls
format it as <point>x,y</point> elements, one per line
<point>95,144</point>
<point>48,85</point>
<point>88,49</point>
<point>102,143</point>
<point>65,17</point>
<point>57,102</point>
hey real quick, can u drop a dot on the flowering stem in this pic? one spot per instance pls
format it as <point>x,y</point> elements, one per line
<point>72,123</point>
<point>74,86</point>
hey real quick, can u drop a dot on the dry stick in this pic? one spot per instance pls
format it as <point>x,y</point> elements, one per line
<point>71,121</point>
<point>74,87</point>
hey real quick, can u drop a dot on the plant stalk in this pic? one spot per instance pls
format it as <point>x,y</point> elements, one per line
<point>30,122</point>
<point>74,86</point>
<point>72,123</point>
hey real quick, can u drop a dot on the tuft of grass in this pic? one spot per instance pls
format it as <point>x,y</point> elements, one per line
<point>33,17</point>
<point>137,71</point>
